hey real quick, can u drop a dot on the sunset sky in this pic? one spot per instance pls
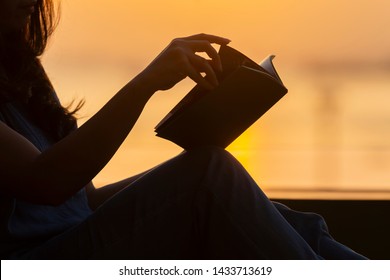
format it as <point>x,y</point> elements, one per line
<point>100,45</point>
<point>294,29</point>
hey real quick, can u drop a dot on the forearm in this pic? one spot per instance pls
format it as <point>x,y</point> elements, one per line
<point>74,161</point>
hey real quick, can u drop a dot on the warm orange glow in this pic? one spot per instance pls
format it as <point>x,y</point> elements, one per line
<point>327,133</point>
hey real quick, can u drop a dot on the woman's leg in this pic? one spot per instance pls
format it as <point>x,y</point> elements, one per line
<point>199,205</point>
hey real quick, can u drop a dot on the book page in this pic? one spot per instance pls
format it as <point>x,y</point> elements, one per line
<point>233,59</point>
<point>267,65</point>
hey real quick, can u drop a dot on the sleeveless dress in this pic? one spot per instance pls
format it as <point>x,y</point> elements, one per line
<point>25,224</point>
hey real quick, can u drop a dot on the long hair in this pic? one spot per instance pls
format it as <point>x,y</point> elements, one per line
<point>26,79</point>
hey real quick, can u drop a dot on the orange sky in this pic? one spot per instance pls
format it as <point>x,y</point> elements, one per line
<point>294,29</point>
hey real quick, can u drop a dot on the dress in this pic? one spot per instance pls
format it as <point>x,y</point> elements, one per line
<point>201,204</point>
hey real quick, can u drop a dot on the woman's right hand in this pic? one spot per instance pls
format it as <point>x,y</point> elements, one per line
<point>179,60</point>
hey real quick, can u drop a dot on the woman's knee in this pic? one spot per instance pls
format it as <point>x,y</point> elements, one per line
<point>221,171</point>
<point>207,155</point>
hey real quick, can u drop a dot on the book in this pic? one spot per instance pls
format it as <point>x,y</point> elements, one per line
<point>217,117</point>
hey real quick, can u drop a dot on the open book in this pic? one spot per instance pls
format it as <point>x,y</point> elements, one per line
<point>245,92</point>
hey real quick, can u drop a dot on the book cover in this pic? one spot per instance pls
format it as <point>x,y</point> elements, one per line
<point>217,117</point>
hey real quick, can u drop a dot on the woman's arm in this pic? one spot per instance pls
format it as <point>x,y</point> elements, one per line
<point>53,176</point>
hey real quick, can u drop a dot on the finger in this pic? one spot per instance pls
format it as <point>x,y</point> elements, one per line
<point>211,38</point>
<point>195,75</point>
<point>203,65</point>
<point>204,46</point>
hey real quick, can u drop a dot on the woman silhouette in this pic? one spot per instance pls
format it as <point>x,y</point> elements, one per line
<point>201,204</point>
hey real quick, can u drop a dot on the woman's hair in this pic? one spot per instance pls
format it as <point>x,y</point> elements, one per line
<point>26,80</point>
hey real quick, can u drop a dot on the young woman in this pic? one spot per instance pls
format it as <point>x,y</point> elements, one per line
<point>201,204</point>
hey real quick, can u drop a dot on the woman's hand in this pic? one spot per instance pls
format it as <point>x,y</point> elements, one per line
<point>179,60</point>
